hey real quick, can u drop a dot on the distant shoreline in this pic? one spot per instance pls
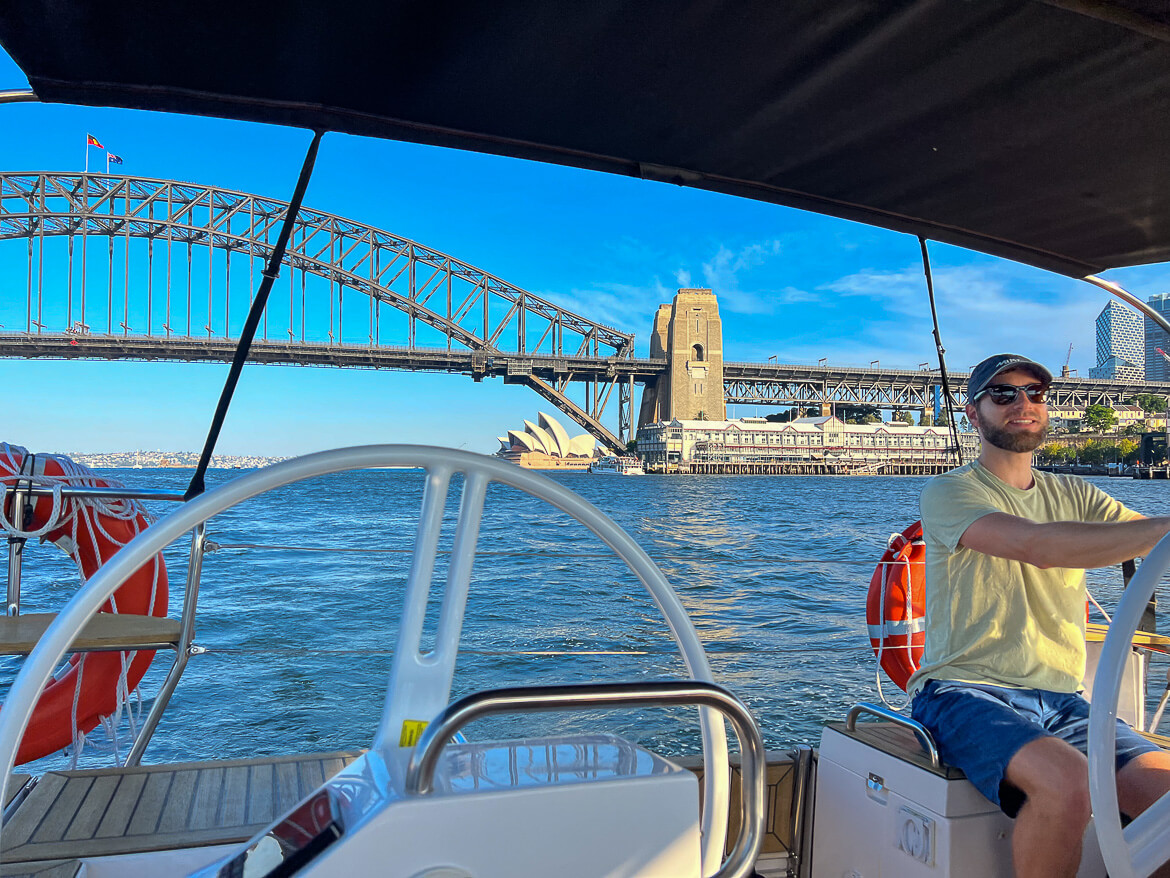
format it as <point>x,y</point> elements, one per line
<point>168,460</point>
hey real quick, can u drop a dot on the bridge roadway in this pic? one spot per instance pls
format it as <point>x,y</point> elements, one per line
<point>744,383</point>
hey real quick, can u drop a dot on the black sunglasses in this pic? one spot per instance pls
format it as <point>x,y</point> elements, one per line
<point>1006,394</point>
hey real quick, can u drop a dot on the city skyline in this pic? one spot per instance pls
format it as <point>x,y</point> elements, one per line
<point>791,285</point>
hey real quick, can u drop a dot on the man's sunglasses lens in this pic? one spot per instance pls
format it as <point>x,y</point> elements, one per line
<point>1005,394</point>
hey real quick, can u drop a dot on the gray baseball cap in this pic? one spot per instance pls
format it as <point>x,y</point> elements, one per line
<point>985,372</point>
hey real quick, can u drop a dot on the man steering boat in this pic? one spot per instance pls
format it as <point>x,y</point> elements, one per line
<point>998,686</point>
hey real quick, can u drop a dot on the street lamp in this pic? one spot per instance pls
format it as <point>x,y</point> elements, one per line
<point>772,358</point>
<point>874,362</point>
<point>823,361</point>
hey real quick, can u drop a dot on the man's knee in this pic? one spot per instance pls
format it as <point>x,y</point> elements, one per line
<point>1142,781</point>
<point>1054,778</point>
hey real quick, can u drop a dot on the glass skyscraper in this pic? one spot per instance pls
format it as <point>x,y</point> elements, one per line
<point>1157,369</point>
<point>1121,349</point>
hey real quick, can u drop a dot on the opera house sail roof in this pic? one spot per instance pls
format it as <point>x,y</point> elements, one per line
<point>546,445</point>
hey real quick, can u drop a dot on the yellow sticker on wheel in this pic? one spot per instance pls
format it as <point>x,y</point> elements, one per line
<point>412,730</point>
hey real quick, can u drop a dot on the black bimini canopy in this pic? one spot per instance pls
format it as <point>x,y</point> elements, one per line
<point>1037,131</point>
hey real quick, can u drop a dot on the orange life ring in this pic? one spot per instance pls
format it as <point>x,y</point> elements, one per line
<point>90,536</point>
<point>895,608</point>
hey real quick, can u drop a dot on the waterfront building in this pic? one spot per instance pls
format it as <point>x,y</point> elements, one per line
<point>1121,344</point>
<point>546,446</point>
<point>1064,417</point>
<point>1157,369</point>
<point>1127,415</point>
<point>803,445</point>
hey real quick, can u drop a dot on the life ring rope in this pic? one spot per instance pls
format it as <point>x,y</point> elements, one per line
<point>90,530</point>
<point>895,608</point>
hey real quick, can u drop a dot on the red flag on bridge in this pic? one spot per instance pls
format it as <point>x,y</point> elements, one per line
<point>90,140</point>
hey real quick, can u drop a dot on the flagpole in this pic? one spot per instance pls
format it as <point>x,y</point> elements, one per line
<point>107,164</point>
<point>87,153</point>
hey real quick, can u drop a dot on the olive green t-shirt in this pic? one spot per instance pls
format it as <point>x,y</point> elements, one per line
<point>992,620</point>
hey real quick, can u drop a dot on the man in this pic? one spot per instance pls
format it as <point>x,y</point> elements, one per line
<point>1006,548</point>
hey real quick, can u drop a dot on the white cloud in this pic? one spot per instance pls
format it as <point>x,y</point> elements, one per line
<point>981,311</point>
<point>733,275</point>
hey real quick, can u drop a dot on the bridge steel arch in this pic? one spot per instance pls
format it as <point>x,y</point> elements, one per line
<point>78,307</point>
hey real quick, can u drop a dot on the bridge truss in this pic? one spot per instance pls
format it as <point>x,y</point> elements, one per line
<point>902,389</point>
<point>125,267</point>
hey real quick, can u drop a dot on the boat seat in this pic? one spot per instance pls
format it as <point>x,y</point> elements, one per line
<point>16,783</point>
<point>103,632</point>
<point>46,869</point>
<point>1161,740</point>
<point>100,812</point>
<point>898,742</point>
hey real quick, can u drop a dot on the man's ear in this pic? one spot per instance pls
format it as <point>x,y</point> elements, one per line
<point>972,412</point>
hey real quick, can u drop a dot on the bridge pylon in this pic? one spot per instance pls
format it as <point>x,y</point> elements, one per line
<point>689,335</point>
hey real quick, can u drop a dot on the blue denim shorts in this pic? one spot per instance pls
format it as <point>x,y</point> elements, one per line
<point>979,728</point>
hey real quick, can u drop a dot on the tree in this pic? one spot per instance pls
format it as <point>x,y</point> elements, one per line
<point>1096,452</point>
<point>859,414</point>
<point>904,417</point>
<point>926,420</point>
<point>1149,402</point>
<point>965,425</point>
<point>1099,418</point>
<point>1055,453</point>
<point>783,417</point>
<point>1129,450</point>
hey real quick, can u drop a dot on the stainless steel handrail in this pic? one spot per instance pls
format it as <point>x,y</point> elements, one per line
<point>753,765</point>
<point>185,648</point>
<point>920,731</point>
<point>95,491</point>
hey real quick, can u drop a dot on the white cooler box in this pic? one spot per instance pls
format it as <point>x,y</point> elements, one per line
<point>882,809</point>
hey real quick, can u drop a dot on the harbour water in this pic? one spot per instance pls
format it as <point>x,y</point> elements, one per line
<point>299,605</point>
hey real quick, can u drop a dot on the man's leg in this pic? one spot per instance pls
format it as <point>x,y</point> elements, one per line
<point>1141,782</point>
<point>1051,823</point>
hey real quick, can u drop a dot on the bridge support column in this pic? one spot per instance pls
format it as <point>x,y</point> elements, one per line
<point>689,334</point>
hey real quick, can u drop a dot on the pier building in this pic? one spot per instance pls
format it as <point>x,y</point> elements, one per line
<point>824,445</point>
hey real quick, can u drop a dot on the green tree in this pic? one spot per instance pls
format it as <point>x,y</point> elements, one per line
<point>965,425</point>
<point>1099,418</point>
<point>904,417</point>
<point>1096,452</point>
<point>926,420</point>
<point>1149,402</point>
<point>859,414</point>
<point>1055,453</point>
<point>1129,450</point>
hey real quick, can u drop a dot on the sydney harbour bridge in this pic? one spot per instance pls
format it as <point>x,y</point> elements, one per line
<point>120,267</point>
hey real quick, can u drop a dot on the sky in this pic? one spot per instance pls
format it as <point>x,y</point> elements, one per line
<point>790,284</point>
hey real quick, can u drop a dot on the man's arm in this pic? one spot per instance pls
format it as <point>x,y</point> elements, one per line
<point>1064,543</point>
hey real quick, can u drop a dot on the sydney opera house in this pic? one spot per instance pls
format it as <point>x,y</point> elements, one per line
<point>546,446</point>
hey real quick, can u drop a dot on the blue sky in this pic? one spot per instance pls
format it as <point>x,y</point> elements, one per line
<point>790,284</point>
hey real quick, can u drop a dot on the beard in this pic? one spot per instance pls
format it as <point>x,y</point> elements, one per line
<point>1019,441</point>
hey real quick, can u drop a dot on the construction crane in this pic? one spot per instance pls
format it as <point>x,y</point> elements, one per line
<point>1064,370</point>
